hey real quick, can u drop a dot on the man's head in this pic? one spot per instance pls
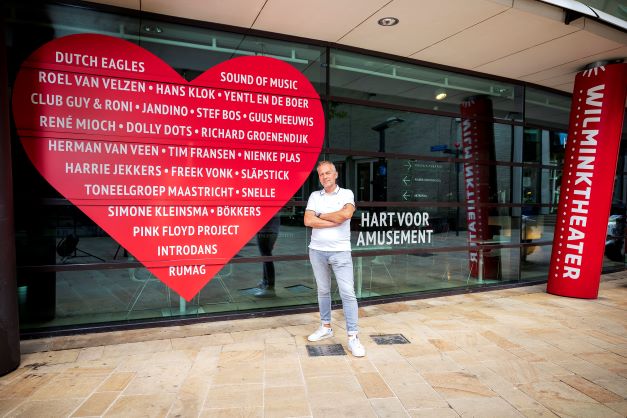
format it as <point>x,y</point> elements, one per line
<point>327,174</point>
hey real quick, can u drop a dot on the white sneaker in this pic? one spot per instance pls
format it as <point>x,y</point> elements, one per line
<point>355,346</point>
<point>321,333</point>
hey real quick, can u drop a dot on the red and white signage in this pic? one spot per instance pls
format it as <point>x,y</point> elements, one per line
<point>480,181</point>
<point>596,120</point>
<point>181,174</point>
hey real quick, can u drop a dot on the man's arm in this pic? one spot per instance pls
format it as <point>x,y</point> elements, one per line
<point>313,221</point>
<point>339,216</point>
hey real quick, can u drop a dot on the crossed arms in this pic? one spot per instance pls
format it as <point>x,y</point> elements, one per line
<point>329,220</point>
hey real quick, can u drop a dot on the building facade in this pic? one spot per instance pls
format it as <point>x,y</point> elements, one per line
<point>394,130</point>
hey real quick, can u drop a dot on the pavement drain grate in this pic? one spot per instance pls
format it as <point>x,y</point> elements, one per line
<point>326,350</point>
<point>389,339</point>
<point>299,288</point>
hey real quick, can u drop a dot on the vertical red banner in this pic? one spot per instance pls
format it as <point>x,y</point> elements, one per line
<point>594,133</point>
<point>480,183</point>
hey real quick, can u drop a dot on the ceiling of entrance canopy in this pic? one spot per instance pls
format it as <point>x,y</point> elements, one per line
<point>545,43</point>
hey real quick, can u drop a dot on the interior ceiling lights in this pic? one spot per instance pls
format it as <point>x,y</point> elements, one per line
<point>153,29</point>
<point>440,94</point>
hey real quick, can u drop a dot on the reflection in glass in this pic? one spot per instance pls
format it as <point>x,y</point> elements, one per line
<point>399,150</point>
<point>480,182</point>
<point>546,108</point>
<point>385,81</point>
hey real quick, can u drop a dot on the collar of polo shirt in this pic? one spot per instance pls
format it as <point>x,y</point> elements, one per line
<point>336,191</point>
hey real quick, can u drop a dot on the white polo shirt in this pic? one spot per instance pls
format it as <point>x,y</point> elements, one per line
<point>337,238</point>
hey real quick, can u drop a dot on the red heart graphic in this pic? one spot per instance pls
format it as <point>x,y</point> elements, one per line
<point>180,174</point>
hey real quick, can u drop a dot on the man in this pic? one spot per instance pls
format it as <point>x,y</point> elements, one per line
<point>329,212</point>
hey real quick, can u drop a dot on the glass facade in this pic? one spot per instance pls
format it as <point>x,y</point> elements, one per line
<point>394,132</point>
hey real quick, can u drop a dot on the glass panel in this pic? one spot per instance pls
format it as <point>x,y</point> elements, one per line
<point>63,235</point>
<point>535,262</point>
<point>503,142</point>
<point>414,218</point>
<point>615,240</point>
<point>540,186</point>
<point>43,236</point>
<point>97,296</point>
<point>544,146</point>
<point>192,51</point>
<point>395,228</point>
<point>532,146</point>
<point>547,109</point>
<point>558,141</point>
<point>380,80</point>
<point>189,50</point>
<point>616,232</point>
<point>399,180</point>
<point>422,228</point>
<point>409,273</point>
<point>112,295</point>
<point>504,184</point>
<point>555,182</point>
<point>284,235</point>
<point>382,130</point>
<point>504,226</point>
<point>530,185</point>
<point>48,21</point>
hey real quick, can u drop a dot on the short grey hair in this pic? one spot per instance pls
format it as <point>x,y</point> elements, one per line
<point>323,162</point>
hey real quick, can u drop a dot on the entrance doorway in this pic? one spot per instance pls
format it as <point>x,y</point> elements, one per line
<point>371,179</point>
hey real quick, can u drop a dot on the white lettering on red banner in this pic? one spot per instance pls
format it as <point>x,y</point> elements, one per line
<point>587,182</point>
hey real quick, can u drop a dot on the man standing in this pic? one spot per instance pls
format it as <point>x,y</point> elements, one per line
<point>329,212</point>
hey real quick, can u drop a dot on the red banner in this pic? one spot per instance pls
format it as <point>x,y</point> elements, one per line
<point>181,174</point>
<point>594,133</point>
<point>480,182</point>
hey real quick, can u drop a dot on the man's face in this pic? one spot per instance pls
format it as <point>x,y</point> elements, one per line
<point>327,175</point>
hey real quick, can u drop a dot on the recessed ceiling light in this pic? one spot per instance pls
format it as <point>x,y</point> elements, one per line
<point>387,21</point>
<point>440,94</point>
